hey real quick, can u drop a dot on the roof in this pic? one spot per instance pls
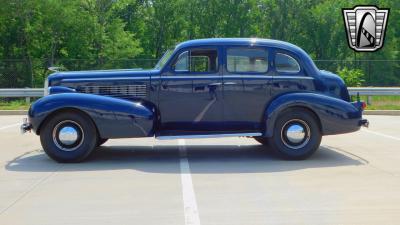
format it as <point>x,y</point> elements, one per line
<point>241,41</point>
<point>253,41</point>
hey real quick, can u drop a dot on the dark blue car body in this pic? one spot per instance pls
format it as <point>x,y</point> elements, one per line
<point>164,102</point>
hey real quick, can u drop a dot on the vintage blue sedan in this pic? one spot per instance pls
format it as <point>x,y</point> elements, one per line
<point>266,89</point>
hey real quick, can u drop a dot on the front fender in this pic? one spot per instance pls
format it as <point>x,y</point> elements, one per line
<point>335,115</point>
<point>113,117</point>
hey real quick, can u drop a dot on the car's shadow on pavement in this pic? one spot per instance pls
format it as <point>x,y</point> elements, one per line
<point>202,159</point>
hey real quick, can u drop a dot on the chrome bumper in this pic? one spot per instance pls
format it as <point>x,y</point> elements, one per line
<point>25,126</point>
<point>364,123</point>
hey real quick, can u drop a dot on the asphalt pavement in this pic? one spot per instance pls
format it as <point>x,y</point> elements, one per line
<point>352,179</point>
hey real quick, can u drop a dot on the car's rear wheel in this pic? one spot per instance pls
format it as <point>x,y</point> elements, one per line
<point>297,134</point>
<point>68,136</point>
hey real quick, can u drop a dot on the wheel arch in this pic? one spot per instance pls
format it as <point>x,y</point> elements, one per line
<point>270,121</point>
<point>64,110</point>
<point>335,116</point>
<point>113,117</point>
<point>307,109</point>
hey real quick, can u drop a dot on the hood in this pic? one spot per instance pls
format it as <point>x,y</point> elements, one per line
<point>93,74</point>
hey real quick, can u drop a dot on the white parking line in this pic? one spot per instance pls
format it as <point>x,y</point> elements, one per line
<point>382,135</point>
<point>9,126</point>
<point>189,198</point>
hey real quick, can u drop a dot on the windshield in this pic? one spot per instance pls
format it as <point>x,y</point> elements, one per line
<point>164,59</point>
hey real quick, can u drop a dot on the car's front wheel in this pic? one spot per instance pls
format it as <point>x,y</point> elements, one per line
<point>297,134</point>
<point>68,136</point>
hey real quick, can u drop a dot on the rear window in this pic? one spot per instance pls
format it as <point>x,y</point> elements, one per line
<point>286,64</point>
<point>253,60</point>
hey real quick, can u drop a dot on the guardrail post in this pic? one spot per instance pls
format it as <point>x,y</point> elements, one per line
<point>369,100</point>
<point>27,98</point>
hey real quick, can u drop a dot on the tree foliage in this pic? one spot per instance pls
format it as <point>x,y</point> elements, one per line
<point>91,34</point>
<point>352,77</point>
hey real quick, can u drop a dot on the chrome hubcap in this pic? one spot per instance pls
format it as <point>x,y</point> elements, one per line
<point>295,134</point>
<point>68,135</point>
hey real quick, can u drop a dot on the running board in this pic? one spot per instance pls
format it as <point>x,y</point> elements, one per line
<point>208,136</point>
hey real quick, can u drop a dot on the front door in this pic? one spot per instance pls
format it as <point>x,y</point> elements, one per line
<point>190,96</point>
<point>247,88</point>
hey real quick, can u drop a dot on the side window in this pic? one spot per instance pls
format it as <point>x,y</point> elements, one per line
<point>200,63</point>
<point>197,61</point>
<point>182,63</point>
<point>247,60</point>
<point>286,63</point>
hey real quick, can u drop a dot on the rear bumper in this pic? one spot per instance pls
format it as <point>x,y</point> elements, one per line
<point>349,121</point>
<point>364,123</point>
<point>360,105</point>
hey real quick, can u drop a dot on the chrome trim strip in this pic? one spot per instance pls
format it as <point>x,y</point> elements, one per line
<point>237,76</point>
<point>294,77</point>
<point>208,136</point>
<point>116,86</point>
<point>106,78</point>
<point>188,77</point>
<point>249,76</point>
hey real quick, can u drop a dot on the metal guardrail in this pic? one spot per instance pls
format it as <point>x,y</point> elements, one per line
<point>21,92</point>
<point>28,93</point>
<point>364,91</point>
<point>371,91</point>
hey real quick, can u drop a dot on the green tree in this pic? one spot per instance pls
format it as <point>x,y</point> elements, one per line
<point>97,34</point>
<point>352,77</point>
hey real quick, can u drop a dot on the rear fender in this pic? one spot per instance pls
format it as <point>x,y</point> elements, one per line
<point>113,117</point>
<point>335,115</point>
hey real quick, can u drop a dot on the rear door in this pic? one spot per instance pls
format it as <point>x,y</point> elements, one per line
<point>246,90</point>
<point>289,74</point>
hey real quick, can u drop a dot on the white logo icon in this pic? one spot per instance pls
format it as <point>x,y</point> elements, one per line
<point>365,27</point>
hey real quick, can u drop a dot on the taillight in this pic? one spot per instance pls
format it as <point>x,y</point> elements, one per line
<point>360,105</point>
<point>363,105</point>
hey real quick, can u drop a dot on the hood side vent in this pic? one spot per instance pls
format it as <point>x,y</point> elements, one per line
<point>116,91</point>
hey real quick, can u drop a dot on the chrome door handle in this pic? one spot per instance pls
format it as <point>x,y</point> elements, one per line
<point>230,83</point>
<point>215,84</point>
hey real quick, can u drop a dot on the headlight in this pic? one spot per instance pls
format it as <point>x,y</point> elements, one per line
<point>46,87</point>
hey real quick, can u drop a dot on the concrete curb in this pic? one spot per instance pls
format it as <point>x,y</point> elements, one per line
<point>366,112</point>
<point>382,112</point>
<point>13,112</point>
